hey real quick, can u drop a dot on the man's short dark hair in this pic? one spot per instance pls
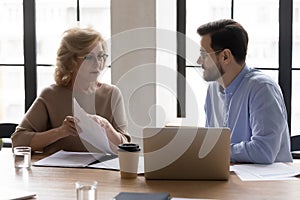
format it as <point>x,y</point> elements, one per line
<point>227,34</point>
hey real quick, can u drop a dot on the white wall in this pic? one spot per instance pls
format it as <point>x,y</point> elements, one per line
<point>166,67</point>
<point>144,61</point>
<point>133,60</point>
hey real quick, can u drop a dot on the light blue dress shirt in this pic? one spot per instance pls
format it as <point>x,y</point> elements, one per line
<point>252,106</point>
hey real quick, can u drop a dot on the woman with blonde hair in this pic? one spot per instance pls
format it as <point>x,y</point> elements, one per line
<point>50,125</point>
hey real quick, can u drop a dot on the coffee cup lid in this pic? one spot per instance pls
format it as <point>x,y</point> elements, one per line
<point>129,147</point>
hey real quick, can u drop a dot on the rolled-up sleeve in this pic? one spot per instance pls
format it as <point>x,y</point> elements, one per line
<point>268,122</point>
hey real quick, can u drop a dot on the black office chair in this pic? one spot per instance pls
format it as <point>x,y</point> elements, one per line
<point>295,146</point>
<point>6,130</point>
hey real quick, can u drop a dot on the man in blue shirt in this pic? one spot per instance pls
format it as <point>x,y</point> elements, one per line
<point>242,98</point>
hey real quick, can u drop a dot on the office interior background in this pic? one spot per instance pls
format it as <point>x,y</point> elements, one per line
<point>27,66</point>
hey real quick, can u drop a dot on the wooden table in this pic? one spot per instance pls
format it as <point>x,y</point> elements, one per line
<point>59,184</point>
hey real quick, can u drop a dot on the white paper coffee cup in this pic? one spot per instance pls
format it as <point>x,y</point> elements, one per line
<point>128,160</point>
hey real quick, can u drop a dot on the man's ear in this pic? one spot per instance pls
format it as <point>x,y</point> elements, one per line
<point>226,56</point>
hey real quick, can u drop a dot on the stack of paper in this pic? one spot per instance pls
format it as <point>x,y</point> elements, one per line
<point>258,172</point>
<point>85,159</point>
<point>69,159</point>
<point>13,193</point>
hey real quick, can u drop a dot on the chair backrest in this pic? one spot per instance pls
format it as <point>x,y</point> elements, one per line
<point>7,129</point>
<point>295,143</point>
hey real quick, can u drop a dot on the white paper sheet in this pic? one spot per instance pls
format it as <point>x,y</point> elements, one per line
<point>177,198</point>
<point>91,132</point>
<point>15,194</point>
<point>69,159</point>
<point>258,172</point>
<point>114,164</point>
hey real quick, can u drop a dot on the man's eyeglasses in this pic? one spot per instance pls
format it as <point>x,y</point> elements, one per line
<point>101,58</point>
<point>204,54</point>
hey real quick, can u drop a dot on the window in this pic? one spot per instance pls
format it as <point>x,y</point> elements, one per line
<point>295,129</point>
<point>267,48</point>
<point>52,18</point>
<point>11,61</point>
<point>55,16</point>
<point>203,11</point>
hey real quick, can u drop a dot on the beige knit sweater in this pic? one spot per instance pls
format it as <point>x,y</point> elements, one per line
<point>55,103</point>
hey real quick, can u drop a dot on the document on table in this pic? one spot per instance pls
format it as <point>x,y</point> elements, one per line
<point>177,198</point>
<point>69,159</point>
<point>114,164</point>
<point>259,172</point>
<point>91,132</point>
<point>15,194</point>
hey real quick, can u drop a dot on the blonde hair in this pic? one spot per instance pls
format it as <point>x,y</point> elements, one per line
<point>75,41</point>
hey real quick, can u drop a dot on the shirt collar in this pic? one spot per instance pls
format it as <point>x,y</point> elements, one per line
<point>237,80</point>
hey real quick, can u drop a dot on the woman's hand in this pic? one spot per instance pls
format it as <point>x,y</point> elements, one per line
<point>68,127</point>
<point>42,139</point>
<point>114,136</point>
<point>103,123</point>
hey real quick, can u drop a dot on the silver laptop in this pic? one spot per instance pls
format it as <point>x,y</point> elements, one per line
<point>186,153</point>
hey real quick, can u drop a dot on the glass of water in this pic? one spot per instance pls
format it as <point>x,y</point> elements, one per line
<point>22,157</point>
<point>86,190</point>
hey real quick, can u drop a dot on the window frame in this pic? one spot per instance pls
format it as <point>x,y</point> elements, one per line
<point>30,55</point>
<point>285,54</point>
<point>30,65</point>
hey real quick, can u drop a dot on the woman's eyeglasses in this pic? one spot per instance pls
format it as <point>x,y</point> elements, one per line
<point>101,58</point>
